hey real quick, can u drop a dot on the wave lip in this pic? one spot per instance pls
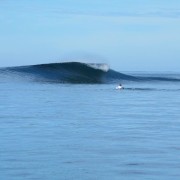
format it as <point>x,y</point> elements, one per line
<point>100,66</point>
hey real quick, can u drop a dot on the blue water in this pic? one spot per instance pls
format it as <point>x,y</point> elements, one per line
<point>55,131</point>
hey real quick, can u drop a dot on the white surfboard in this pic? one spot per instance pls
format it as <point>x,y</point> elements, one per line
<point>119,87</point>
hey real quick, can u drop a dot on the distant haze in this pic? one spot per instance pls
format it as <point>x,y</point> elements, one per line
<point>129,35</point>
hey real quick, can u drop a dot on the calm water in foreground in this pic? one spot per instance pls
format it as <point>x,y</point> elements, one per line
<point>89,132</point>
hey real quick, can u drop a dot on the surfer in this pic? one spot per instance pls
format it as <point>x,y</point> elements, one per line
<point>120,86</point>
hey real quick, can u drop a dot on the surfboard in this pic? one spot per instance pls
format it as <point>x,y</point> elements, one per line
<point>119,87</point>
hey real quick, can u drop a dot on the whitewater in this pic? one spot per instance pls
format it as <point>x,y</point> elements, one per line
<point>67,121</point>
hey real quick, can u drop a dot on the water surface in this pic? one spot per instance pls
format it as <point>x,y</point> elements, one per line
<point>89,131</point>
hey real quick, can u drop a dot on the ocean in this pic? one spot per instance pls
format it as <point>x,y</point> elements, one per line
<point>70,123</point>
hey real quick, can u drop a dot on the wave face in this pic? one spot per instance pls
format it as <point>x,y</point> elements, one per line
<point>74,72</point>
<point>69,72</point>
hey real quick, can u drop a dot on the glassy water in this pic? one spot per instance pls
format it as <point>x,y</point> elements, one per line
<point>89,132</point>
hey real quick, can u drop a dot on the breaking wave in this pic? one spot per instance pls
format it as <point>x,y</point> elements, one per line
<point>75,72</point>
<point>69,72</point>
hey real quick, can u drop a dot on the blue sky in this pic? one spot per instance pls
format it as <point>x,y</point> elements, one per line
<point>130,35</point>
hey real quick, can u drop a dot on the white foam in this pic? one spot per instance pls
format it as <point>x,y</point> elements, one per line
<point>101,66</point>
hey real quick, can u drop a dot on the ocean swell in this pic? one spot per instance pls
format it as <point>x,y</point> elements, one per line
<point>69,72</point>
<point>75,72</point>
